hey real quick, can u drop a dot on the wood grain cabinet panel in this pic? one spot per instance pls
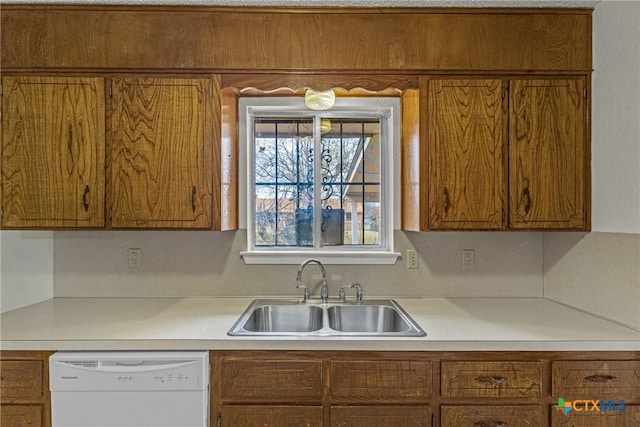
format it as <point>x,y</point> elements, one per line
<point>547,154</point>
<point>630,417</point>
<point>271,416</point>
<point>491,379</point>
<point>596,379</point>
<point>271,381</point>
<point>20,379</point>
<point>384,381</point>
<point>53,149</point>
<point>161,147</point>
<point>21,416</point>
<point>467,131</point>
<point>380,416</point>
<point>25,400</point>
<point>491,416</point>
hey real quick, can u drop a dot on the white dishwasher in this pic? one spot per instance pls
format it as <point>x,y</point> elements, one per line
<point>129,389</point>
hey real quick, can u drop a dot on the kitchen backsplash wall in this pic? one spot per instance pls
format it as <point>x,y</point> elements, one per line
<point>26,268</point>
<point>185,263</point>
<point>597,272</point>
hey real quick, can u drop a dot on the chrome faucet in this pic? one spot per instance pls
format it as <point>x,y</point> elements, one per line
<point>324,294</point>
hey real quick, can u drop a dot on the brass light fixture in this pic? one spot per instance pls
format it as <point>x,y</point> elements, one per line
<point>319,100</point>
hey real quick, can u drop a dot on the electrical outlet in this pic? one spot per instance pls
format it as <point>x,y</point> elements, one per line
<point>412,258</point>
<point>134,257</point>
<point>468,259</point>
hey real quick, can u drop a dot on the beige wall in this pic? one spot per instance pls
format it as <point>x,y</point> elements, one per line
<point>208,264</point>
<point>600,272</point>
<point>596,272</point>
<point>26,268</point>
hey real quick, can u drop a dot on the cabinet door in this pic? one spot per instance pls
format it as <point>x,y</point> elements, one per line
<point>161,153</point>
<point>53,152</point>
<point>515,379</point>
<point>467,128</point>
<point>547,154</point>
<point>380,416</point>
<point>491,416</point>
<point>629,417</point>
<point>247,380</point>
<point>270,416</point>
<point>381,381</point>
<point>21,416</point>
<point>610,379</point>
<point>22,380</point>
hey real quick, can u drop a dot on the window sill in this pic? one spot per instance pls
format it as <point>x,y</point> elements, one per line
<point>325,257</point>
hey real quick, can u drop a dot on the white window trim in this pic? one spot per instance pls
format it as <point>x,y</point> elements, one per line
<point>389,108</point>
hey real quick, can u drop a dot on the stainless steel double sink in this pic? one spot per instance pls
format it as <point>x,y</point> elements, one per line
<point>284,317</point>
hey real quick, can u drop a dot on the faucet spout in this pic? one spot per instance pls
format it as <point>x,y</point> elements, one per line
<point>324,294</point>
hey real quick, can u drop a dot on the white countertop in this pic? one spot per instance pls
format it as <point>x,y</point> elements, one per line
<point>463,324</point>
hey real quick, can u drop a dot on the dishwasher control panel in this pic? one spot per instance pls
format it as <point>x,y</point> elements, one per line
<point>134,371</point>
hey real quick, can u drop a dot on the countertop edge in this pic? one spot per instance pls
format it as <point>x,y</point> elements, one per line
<point>327,345</point>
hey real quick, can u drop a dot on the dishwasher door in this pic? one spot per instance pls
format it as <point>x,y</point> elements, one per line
<point>129,389</point>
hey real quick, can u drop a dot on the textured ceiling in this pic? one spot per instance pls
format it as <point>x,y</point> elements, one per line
<point>329,3</point>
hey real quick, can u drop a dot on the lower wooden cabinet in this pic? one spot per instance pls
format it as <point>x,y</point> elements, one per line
<point>380,381</point>
<point>431,389</point>
<point>383,389</point>
<point>270,416</point>
<point>381,416</point>
<point>492,416</point>
<point>629,417</point>
<point>21,416</point>
<point>504,379</point>
<point>25,400</point>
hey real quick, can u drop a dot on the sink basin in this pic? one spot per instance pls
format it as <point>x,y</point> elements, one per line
<point>278,317</point>
<point>367,318</point>
<point>284,318</point>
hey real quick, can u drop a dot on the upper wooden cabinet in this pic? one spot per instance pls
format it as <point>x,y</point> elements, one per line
<point>473,184</point>
<point>161,147</point>
<point>547,146</point>
<point>467,130</point>
<point>53,152</point>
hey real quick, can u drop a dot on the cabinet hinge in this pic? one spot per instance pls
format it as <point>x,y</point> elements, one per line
<point>219,421</point>
<point>110,90</point>
<point>110,214</point>
<point>584,93</point>
<point>504,93</point>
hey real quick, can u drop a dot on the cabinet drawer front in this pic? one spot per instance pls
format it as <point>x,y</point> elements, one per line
<point>491,416</point>
<point>380,416</point>
<point>272,381</point>
<point>21,380</point>
<point>596,379</point>
<point>491,379</point>
<point>271,416</point>
<point>21,416</point>
<point>388,381</point>
<point>630,417</point>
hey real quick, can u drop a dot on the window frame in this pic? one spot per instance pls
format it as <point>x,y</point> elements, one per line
<point>387,109</point>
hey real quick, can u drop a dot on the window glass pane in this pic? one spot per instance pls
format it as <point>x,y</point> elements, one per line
<point>351,173</point>
<point>350,182</point>
<point>283,177</point>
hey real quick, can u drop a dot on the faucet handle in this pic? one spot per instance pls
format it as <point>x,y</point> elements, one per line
<point>341,293</point>
<point>307,293</point>
<point>358,289</point>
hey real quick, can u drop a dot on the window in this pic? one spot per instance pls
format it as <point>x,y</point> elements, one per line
<point>319,184</point>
